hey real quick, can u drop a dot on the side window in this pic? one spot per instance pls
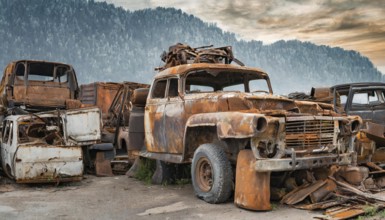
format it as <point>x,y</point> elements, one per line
<point>8,132</point>
<point>173,88</point>
<point>343,99</point>
<point>5,131</point>
<point>360,98</point>
<point>159,89</point>
<point>20,69</point>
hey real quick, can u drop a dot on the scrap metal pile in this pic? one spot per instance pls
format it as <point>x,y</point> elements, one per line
<point>183,54</point>
<point>343,192</point>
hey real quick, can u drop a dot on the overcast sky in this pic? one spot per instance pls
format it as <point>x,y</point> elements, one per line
<point>350,24</point>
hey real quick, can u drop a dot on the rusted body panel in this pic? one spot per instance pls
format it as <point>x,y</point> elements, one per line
<point>99,94</point>
<point>38,85</point>
<point>229,124</point>
<point>46,147</point>
<point>118,117</point>
<point>48,163</point>
<point>83,126</point>
<point>252,189</point>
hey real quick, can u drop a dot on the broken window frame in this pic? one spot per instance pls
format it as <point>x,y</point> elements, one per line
<point>247,78</point>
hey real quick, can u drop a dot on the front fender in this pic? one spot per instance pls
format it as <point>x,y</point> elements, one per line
<point>231,124</point>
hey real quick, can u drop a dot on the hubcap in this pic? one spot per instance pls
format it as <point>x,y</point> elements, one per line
<point>204,174</point>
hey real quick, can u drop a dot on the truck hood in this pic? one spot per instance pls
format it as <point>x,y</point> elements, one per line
<point>263,103</point>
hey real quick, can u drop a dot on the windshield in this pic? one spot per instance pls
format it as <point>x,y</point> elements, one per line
<point>204,81</point>
<point>41,71</point>
<point>368,97</point>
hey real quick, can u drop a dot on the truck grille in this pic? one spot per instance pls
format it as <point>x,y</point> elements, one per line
<point>309,134</point>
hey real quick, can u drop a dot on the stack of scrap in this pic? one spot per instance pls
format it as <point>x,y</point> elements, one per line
<point>345,193</point>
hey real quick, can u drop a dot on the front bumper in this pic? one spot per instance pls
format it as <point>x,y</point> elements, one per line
<point>289,164</point>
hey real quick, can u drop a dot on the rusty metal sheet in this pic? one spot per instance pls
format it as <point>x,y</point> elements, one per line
<point>100,94</point>
<point>324,191</point>
<point>47,163</point>
<point>354,174</point>
<point>375,132</point>
<point>102,166</point>
<point>321,205</point>
<point>252,188</point>
<point>41,95</point>
<point>302,192</point>
<point>82,125</point>
<point>342,212</point>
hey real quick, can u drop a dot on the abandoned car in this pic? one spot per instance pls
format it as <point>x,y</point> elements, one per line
<point>201,109</point>
<point>38,86</point>
<point>47,146</point>
<point>367,100</point>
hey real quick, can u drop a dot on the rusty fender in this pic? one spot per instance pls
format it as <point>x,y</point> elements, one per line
<point>231,124</point>
<point>252,188</point>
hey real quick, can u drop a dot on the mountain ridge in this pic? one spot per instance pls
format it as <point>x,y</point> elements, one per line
<point>108,43</point>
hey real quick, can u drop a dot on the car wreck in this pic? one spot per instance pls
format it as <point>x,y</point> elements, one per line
<point>39,145</point>
<point>47,146</point>
<point>225,121</point>
<point>26,82</point>
<point>366,100</point>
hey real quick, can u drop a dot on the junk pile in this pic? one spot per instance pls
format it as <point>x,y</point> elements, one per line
<point>179,54</point>
<point>342,192</point>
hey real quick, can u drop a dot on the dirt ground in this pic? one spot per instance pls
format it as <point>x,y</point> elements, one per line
<point>121,197</point>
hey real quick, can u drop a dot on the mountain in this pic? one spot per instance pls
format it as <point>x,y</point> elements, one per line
<point>106,43</point>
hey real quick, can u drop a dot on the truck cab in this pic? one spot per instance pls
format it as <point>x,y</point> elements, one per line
<point>47,146</point>
<point>38,85</point>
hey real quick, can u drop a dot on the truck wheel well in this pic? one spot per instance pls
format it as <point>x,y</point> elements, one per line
<point>196,136</point>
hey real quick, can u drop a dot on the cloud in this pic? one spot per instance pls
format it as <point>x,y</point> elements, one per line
<point>351,24</point>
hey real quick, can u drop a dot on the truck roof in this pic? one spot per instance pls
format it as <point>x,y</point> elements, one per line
<point>38,61</point>
<point>185,68</point>
<point>360,84</point>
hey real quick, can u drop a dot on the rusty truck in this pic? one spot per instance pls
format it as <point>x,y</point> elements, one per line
<point>47,146</point>
<point>38,86</point>
<point>38,145</point>
<point>225,121</point>
<point>365,99</point>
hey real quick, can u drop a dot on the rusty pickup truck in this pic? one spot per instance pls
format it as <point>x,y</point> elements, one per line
<point>47,146</point>
<point>38,86</point>
<point>225,120</point>
<point>366,99</point>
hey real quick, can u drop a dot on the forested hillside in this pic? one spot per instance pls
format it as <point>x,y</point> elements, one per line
<point>105,43</point>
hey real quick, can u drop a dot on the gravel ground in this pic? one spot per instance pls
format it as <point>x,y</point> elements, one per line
<point>120,197</point>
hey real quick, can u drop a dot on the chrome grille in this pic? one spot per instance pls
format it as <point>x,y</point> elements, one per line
<point>309,134</point>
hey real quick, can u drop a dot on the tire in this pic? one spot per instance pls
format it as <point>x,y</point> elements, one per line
<point>211,174</point>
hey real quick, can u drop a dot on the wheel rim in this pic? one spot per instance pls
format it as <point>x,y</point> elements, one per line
<point>204,174</point>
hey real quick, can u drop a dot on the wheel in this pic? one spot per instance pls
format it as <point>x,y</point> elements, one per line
<point>211,174</point>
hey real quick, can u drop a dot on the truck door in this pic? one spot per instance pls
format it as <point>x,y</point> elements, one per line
<point>360,103</point>
<point>378,106</point>
<point>154,120</point>
<point>174,116</point>
<point>6,147</point>
<point>82,126</point>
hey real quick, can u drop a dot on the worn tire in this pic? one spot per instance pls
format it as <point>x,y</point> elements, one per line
<point>211,174</point>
